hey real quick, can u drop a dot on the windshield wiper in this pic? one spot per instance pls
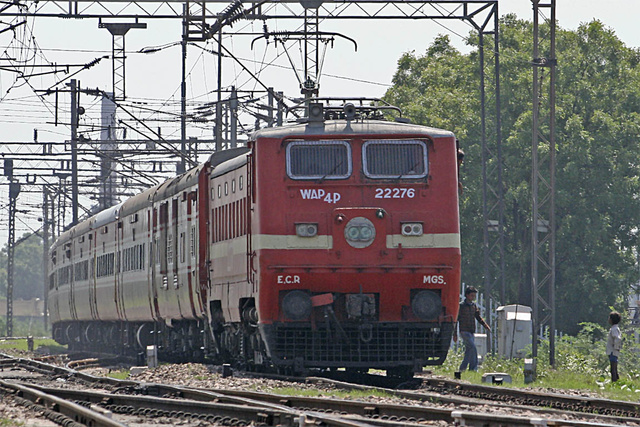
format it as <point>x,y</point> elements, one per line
<point>410,169</point>
<point>335,168</point>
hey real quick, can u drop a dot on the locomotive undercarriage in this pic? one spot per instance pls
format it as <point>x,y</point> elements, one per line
<point>238,343</point>
<point>399,348</point>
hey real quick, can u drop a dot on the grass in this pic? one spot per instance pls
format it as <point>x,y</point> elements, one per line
<point>340,394</point>
<point>4,422</point>
<point>119,375</point>
<point>21,345</point>
<point>577,376</point>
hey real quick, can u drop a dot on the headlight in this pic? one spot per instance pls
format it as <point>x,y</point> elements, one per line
<point>353,233</point>
<point>426,305</point>
<point>360,232</point>
<point>307,229</point>
<point>411,228</point>
<point>296,305</point>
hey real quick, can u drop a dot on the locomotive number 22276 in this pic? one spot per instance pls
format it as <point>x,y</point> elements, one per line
<point>395,193</point>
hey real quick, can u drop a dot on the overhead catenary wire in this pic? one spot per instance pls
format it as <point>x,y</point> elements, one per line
<point>168,101</point>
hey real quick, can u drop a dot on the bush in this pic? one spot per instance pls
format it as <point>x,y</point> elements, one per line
<point>581,363</point>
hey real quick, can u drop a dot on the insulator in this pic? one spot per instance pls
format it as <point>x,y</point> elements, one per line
<point>230,10</point>
<point>235,18</point>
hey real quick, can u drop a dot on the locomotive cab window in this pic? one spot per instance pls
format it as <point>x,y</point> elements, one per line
<point>318,160</point>
<point>399,159</point>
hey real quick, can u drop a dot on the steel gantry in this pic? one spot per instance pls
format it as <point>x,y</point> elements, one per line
<point>118,31</point>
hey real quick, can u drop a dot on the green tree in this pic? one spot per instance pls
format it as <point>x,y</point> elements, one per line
<point>598,172</point>
<point>28,282</point>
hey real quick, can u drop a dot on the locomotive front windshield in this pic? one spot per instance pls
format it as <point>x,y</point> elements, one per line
<point>319,160</point>
<point>381,159</point>
<point>395,159</point>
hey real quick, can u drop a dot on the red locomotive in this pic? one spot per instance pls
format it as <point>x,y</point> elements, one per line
<point>329,243</point>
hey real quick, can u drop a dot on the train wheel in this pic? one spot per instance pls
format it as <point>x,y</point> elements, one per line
<point>91,335</point>
<point>72,334</point>
<point>112,336</point>
<point>144,336</point>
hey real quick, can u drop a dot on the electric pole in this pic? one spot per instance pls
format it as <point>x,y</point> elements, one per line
<point>75,114</point>
<point>14,190</point>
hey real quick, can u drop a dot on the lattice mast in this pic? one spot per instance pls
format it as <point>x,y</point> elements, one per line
<point>543,228</point>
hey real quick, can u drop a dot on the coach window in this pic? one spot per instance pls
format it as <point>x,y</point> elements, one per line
<point>169,249</point>
<point>182,247</point>
<point>219,191</point>
<point>398,159</point>
<point>226,188</point>
<point>318,160</point>
<point>240,181</point>
<point>192,242</point>
<point>233,185</point>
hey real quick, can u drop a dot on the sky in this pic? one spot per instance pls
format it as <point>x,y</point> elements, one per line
<point>153,79</point>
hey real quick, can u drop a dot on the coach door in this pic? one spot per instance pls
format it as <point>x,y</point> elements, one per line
<point>161,247</point>
<point>91,282</point>
<point>248,201</point>
<point>68,278</point>
<point>191,249</point>
<point>117,276</point>
<point>174,307</point>
<point>152,221</point>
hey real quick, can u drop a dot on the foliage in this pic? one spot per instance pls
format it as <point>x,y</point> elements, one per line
<point>597,168</point>
<point>28,280</point>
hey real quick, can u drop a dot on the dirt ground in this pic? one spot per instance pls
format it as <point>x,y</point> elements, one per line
<point>13,414</point>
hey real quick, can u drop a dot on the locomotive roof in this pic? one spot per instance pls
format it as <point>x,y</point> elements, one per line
<point>354,127</point>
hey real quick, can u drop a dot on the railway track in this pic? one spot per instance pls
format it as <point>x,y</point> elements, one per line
<point>534,398</point>
<point>459,392</point>
<point>111,398</point>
